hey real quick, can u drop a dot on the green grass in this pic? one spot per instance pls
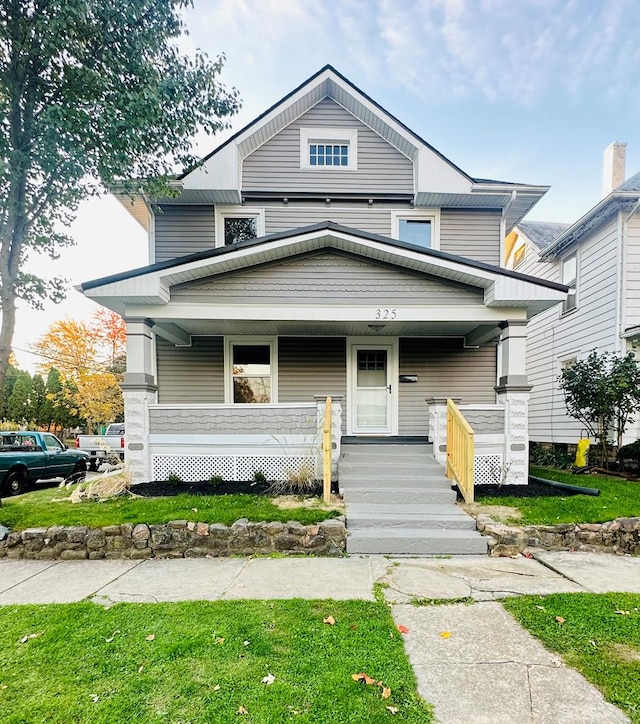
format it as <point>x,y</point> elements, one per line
<point>618,498</point>
<point>600,643</point>
<point>71,673</point>
<point>36,510</point>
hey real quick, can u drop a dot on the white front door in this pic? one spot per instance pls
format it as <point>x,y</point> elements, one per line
<point>373,391</point>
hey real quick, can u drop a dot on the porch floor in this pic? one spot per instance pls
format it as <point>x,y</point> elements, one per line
<point>399,501</point>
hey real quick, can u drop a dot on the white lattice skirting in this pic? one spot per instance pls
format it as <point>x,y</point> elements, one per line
<point>192,468</point>
<point>488,469</point>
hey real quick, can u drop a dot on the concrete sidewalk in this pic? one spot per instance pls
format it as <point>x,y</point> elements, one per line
<point>488,670</point>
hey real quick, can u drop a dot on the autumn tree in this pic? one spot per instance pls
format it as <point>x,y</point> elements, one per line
<point>92,93</point>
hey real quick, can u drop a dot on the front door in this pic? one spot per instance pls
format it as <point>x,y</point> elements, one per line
<point>372,392</point>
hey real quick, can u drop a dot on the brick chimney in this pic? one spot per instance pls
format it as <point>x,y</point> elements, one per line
<point>613,168</point>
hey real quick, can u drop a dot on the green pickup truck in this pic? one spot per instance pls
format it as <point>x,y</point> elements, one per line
<point>26,457</point>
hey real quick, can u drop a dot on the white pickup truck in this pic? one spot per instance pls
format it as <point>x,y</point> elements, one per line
<point>102,447</point>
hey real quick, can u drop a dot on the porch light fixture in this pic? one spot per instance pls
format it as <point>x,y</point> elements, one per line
<point>376,327</point>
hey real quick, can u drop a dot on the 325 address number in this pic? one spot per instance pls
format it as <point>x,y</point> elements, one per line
<point>386,314</point>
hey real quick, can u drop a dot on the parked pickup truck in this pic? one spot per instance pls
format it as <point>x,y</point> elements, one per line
<point>26,457</point>
<point>100,447</point>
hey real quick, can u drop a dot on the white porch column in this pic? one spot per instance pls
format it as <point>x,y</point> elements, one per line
<point>139,391</point>
<point>513,393</point>
<point>438,426</point>
<point>336,427</point>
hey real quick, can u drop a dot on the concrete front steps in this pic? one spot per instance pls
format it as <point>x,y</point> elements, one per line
<point>399,501</point>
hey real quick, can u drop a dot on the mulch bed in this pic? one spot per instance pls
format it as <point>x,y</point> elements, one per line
<point>532,490</point>
<point>161,488</point>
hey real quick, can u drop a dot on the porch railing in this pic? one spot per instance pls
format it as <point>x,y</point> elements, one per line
<point>326,452</point>
<point>460,453</point>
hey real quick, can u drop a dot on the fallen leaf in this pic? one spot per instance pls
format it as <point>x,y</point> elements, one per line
<point>194,510</point>
<point>540,608</point>
<point>3,686</point>
<point>363,677</point>
<point>528,554</point>
<point>242,710</point>
<point>402,629</point>
<point>95,698</point>
<point>246,643</point>
<point>330,620</point>
<point>560,620</point>
<point>28,637</point>
<point>354,627</point>
<point>150,637</point>
<point>624,613</point>
<point>219,642</point>
<point>445,634</point>
<point>269,679</point>
<point>593,643</point>
<point>216,687</point>
<point>140,668</point>
<point>386,692</point>
<point>392,709</point>
<point>113,636</point>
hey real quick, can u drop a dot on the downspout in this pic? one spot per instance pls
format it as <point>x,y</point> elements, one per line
<point>503,227</point>
<point>622,281</point>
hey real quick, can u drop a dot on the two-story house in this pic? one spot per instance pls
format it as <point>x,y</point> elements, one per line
<point>599,258</point>
<point>324,249</point>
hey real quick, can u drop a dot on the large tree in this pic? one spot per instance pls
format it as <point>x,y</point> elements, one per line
<point>92,92</point>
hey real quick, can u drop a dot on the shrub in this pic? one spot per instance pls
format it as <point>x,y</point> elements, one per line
<point>259,476</point>
<point>550,455</point>
<point>216,479</point>
<point>630,452</point>
<point>174,478</point>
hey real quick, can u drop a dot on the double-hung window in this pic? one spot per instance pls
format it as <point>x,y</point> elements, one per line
<point>238,223</point>
<point>420,227</point>
<point>327,149</point>
<point>569,276</point>
<point>251,373</point>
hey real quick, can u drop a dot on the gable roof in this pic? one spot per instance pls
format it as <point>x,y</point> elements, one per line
<point>542,233</point>
<point>623,198</point>
<point>437,180</point>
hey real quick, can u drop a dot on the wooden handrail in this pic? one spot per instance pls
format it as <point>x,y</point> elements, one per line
<point>326,452</point>
<point>460,451</point>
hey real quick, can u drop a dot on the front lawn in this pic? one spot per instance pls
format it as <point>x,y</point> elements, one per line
<point>192,663</point>
<point>618,498</point>
<point>37,509</point>
<point>597,634</point>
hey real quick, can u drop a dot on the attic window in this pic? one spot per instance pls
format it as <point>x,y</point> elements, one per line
<point>238,223</point>
<point>332,149</point>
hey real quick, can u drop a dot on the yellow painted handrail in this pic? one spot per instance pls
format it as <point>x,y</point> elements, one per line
<point>460,453</point>
<point>326,452</point>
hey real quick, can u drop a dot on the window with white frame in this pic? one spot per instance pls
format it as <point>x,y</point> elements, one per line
<point>251,371</point>
<point>238,223</point>
<point>420,227</point>
<point>329,149</point>
<point>569,276</point>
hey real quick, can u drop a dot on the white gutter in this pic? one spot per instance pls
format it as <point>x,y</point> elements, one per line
<point>622,279</point>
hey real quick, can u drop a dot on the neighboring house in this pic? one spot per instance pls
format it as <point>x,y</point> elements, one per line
<point>599,258</point>
<point>324,249</point>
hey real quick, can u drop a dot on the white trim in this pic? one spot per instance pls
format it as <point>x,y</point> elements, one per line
<point>229,342</point>
<point>310,135</point>
<point>393,373</point>
<point>432,215</point>
<point>237,212</point>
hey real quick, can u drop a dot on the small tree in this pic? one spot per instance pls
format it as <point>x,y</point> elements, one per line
<point>603,393</point>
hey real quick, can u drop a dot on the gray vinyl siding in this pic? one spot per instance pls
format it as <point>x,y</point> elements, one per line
<point>444,369</point>
<point>183,229</point>
<point>190,374</point>
<point>632,274</point>
<point>374,220</point>
<point>275,166</point>
<point>471,233</point>
<point>553,337</point>
<point>311,366</point>
<point>325,278</point>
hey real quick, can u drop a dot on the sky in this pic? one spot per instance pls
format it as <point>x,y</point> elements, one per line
<point>530,91</point>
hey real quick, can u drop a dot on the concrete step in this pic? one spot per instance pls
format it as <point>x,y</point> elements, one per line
<point>378,467</point>
<point>363,521</point>
<point>416,541</point>
<point>356,480</point>
<point>408,495</point>
<point>400,509</point>
<point>388,450</point>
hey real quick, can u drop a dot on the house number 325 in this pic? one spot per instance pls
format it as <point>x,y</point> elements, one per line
<point>385,314</point>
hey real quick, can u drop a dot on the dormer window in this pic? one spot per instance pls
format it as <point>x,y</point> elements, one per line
<point>334,149</point>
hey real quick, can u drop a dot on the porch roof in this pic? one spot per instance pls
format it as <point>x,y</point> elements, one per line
<point>146,292</point>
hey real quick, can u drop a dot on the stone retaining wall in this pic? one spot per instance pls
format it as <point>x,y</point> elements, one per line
<point>620,536</point>
<point>176,539</point>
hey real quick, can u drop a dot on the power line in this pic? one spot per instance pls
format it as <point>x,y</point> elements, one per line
<point>68,363</point>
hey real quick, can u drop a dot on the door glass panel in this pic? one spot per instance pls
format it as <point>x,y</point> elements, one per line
<point>251,373</point>
<point>371,390</point>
